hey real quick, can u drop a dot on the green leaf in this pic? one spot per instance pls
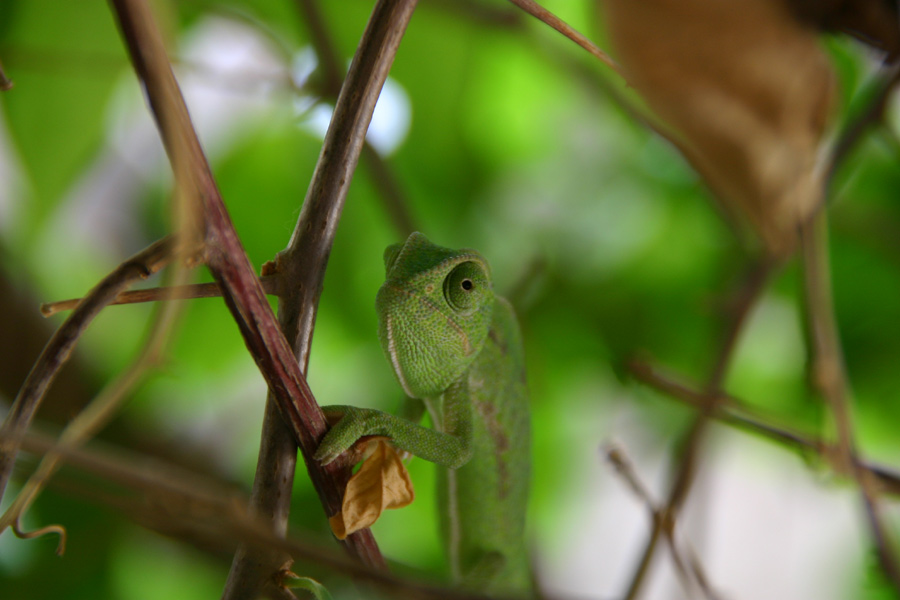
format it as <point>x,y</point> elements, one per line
<point>318,591</point>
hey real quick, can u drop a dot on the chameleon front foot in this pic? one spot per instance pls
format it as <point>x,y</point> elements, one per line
<point>340,437</point>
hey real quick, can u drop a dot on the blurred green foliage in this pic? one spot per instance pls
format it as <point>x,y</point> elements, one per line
<point>610,243</point>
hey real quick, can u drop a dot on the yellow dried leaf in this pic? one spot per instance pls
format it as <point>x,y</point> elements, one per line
<point>382,482</point>
<point>747,92</point>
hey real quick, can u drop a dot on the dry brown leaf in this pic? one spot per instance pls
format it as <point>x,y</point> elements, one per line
<point>746,89</point>
<point>382,482</point>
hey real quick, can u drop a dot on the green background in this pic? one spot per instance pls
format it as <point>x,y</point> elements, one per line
<point>607,242</point>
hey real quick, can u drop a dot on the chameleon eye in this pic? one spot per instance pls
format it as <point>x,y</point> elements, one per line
<point>466,286</point>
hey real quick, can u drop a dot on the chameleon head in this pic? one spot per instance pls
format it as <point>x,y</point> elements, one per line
<point>434,313</point>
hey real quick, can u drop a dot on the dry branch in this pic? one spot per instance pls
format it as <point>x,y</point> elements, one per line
<point>94,417</point>
<point>228,262</point>
<point>302,264</point>
<point>548,18</point>
<point>735,413</point>
<point>684,477</point>
<point>59,347</point>
<point>270,284</point>
<point>687,565</point>
<point>183,505</point>
<point>882,85</point>
<point>383,177</point>
<point>829,370</point>
<point>830,379</point>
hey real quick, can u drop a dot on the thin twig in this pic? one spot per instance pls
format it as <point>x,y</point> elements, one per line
<point>332,67</point>
<point>59,347</point>
<point>684,477</point>
<point>542,14</point>
<point>303,264</point>
<point>57,530</point>
<point>390,192</point>
<point>689,570</point>
<point>881,86</point>
<point>270,284</point>
<point>829,378</point>
<point>181,504</point>
<point>735,413</point>
<point>97,414</point>
<point>383,177</point>
<point>626,470</point>
<point>598,84</point>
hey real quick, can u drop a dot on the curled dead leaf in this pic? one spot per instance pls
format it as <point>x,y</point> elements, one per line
<point>381,483</point>
<point>747,92</point>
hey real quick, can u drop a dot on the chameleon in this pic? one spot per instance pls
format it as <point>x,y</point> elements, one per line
<point>456,350</point>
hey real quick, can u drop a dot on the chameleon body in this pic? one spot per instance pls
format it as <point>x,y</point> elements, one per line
<point>457,352</point>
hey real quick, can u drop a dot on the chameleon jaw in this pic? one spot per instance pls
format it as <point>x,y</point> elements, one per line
<point>392,354</point>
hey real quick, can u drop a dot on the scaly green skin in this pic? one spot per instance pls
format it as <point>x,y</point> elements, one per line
<point>456,349</point>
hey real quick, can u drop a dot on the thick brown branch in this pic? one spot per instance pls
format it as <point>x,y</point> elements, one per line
<point>225,256</point>
<point>303,264</point>
<point>60,346</point>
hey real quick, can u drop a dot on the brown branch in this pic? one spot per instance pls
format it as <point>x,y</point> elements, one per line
<point>270,284</point>
<point>57,530</point>
<point>584,73</point>
<point>382,175</point>
<point>306,255</point>
<point>388,188</point>
<point>872,22</point>
<point>202,511</point>
<point>542,14</point>
<point>829,367</point>
<point>303,264</point>
<point>96,415</point>
<point>689,569</point>
<point>735,413</point>
<point>830,379</point>
<point>330,63</point>
<point>59,347</point>
<point>626,471</point>
<point>684,477</point>
<point>881,86</point>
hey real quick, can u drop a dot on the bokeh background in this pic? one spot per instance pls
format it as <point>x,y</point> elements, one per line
<point>500,136</point>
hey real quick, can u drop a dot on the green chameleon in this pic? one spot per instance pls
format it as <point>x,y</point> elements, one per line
<point>457,351</point>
